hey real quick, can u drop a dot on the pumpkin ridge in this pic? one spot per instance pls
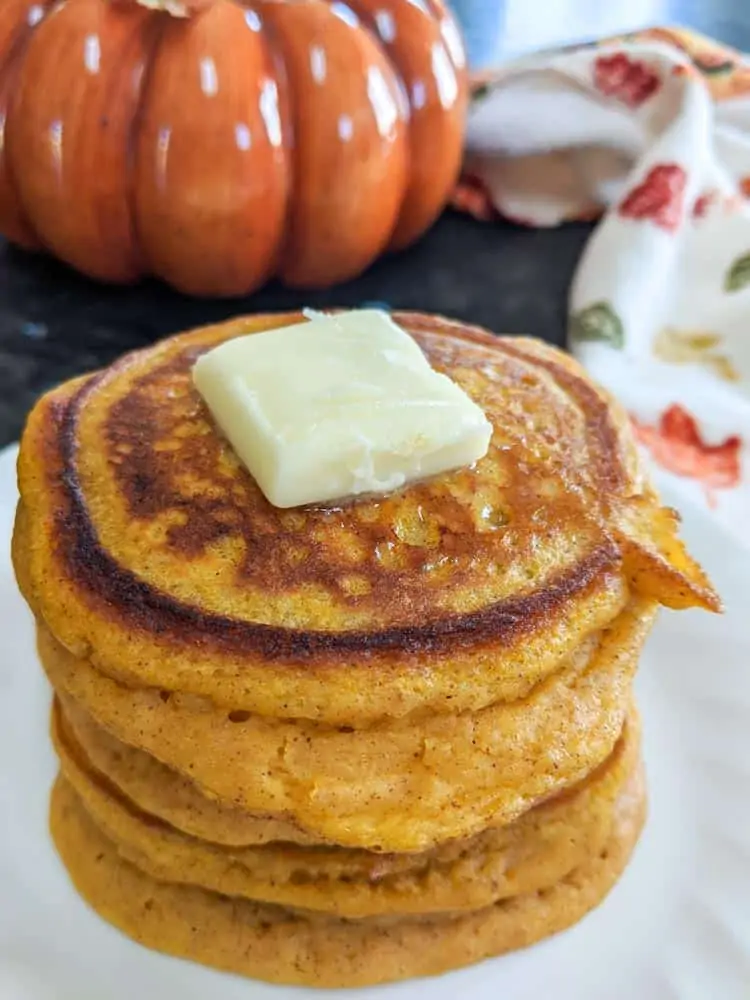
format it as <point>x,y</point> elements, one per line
<point>19,229</point>
<point>288,130</point>
<point>156,27</point>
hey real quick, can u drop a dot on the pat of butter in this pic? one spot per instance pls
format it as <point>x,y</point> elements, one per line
<point>338,406</point>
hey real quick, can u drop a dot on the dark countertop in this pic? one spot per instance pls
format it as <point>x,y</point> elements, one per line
<point>55,324</point>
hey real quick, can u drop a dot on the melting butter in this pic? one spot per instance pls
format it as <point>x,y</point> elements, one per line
<point>338,406</point>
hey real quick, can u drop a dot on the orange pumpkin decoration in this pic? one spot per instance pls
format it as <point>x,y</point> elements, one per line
<point>216,143</point>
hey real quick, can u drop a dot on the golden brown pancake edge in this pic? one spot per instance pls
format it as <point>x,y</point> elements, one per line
<point>270,943</point>
<point>92,463</point>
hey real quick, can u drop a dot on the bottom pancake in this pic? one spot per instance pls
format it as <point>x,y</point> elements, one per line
<point>268,942</point>
<point>536,850</point>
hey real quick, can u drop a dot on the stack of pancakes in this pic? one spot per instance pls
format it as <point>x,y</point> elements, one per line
<point>347,744</point>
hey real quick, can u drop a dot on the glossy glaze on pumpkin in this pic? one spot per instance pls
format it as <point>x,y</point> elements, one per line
<point>218,143</point>
<point>17,20</point>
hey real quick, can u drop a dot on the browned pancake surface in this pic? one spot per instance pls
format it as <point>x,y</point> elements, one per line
<point>541,847</point>
<point>402,785</point>
<point>142,541</point>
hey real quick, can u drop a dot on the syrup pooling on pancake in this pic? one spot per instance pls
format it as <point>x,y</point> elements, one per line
<point>169,567</point>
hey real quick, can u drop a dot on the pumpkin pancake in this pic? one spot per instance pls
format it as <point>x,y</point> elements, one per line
<point>272,943</point>
<point>171,796</point>
<point>542,846</point>
<point>404,785</point>
<point>147,548</point>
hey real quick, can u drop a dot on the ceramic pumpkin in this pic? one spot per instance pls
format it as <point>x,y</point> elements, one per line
<point>218,143</point>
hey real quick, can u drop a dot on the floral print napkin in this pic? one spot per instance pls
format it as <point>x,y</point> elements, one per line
<point>651,132</point>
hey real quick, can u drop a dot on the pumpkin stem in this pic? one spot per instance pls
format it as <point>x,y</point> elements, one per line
<point>177,8</point>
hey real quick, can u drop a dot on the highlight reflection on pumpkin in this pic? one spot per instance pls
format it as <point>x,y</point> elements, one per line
<point>215,143</point>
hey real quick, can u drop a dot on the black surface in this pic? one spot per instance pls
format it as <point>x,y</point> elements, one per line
<point>55,324</point>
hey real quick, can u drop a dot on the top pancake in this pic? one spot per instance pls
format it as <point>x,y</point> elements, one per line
<point>146,547</point>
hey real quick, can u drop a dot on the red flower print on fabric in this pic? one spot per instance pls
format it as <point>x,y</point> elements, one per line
<point>627,80</point>
<point>676,444</point>
<point>714,199</point>
<point>702,204</point>
<point>659,197</point>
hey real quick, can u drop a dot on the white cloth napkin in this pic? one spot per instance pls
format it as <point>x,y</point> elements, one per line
<point>660,303</point>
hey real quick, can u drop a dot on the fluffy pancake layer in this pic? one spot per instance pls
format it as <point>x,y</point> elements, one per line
<point>145,547</point>
<point>341,745</point>
<point>404,785</point>
<point>279,945</point>
<point>539,848</point>
<point>171,796</point>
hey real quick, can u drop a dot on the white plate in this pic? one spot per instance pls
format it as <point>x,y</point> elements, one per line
<point>677,927</point>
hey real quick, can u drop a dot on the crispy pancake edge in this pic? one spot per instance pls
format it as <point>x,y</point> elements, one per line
<point>272,670</point>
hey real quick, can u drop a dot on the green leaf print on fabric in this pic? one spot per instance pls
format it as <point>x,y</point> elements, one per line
<point>712,65</point>
<point>597,322</point>
<point>738,275</point>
